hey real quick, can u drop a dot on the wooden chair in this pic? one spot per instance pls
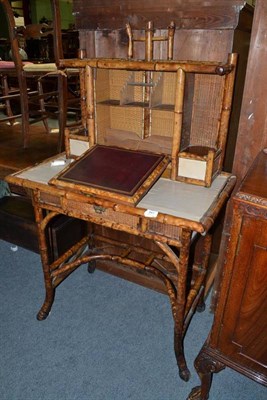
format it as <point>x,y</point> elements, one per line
<point>7,92</point>
<point>37,100</point>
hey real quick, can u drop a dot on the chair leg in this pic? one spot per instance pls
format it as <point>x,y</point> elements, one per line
<point>7,102</point>
<point>24,107</point>
<point>42,105</point>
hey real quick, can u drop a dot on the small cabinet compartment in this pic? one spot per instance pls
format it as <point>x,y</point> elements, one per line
<point>116,123</point>
<point>135,105</point>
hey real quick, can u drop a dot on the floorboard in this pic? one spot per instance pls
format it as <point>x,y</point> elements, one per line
<point>14,157</point>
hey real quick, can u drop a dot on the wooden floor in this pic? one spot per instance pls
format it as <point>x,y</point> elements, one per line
<point>12,155</point>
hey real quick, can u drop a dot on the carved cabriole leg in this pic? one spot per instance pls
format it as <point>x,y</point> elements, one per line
<point>49,289</point>
<point>205,366</point>
<point>181,265</point>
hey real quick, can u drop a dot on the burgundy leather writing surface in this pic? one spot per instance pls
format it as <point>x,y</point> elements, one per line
<point>113,169</point>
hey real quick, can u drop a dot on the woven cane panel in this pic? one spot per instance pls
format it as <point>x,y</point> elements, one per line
<point>169,87</point>
<point>102,120</point>
<point>102,85</point>
<point>206,110</point>
<point>109,84</point>
<point>127,119</point>
<point>162,123</point>
<point>82,209</point>
<point>117,81</point>
<point>133,90</point>
<point>170,231</point>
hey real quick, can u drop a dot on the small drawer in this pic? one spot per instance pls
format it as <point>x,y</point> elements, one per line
<point>47,198</point>
<point>103,214</point>
<point>170,231</point>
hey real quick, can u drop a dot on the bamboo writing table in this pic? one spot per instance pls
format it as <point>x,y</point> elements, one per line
<point>161,107</point>
<point>173,227</point>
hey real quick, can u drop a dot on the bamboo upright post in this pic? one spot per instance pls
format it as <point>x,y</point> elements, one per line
<point>83,96</point>
<point>178,119</point>
<point>171,32</point>
<point>148,77</point>
<point>149,41</point>
<point>226,106</point>
<point>90,110</point>
<point>130,40</point>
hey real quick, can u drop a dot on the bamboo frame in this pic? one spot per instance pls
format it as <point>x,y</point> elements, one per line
<point>214,157</point>
<point>198,67</point>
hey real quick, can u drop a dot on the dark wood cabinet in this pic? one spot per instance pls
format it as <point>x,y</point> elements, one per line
<point>238,337</point>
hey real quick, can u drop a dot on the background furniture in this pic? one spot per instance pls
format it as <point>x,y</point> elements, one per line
<point>238,336</point>
<point>31,101</point>
<point>43,87</point>
<point>17,226</point>
<point>252,128</point>
<point>7,92</point>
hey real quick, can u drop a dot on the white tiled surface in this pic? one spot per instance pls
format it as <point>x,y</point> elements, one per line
<point>181,199</point>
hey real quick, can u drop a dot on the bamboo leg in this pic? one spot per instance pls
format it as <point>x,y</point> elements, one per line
<point>181,265</point>
<point>206,247</point>
<point>91,264</point>
<point>49,289</point>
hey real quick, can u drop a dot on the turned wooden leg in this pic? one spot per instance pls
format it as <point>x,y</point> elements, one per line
<point>42,105</point>
<point>205,366</point>
<point>24,105</point>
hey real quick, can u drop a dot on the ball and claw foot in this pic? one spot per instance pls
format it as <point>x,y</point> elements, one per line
<point>91,266</point>
<point>184,374</point>
<point>195,394</point>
